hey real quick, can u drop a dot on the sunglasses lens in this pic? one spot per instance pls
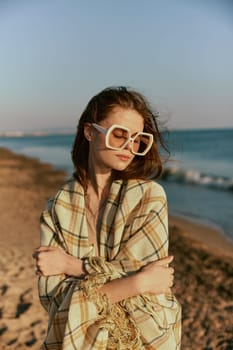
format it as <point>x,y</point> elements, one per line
<point>118,137</point>
<point>141,143</point>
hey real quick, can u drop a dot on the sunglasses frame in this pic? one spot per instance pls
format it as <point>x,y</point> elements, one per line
<point>107,132</point>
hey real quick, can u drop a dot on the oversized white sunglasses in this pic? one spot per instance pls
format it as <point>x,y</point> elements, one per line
<point>118,136</point>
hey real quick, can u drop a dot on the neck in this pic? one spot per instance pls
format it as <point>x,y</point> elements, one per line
<point>99,181</point>
<point>99,185</point>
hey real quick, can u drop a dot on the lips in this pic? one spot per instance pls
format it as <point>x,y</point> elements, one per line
<point>123,157</point>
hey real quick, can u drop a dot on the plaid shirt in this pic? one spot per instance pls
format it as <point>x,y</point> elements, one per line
<point>133,233</point>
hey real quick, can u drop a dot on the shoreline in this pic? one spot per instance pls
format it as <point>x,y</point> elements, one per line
<point>203,267</point>
<point>209,237</point>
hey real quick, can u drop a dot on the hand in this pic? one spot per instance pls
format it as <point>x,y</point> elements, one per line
<point>50,261</point>
<point>157,277</point>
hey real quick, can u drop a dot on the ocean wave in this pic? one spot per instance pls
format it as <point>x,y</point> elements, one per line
<point>194,177</point>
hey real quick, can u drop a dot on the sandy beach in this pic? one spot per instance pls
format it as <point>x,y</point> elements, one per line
<point>203,264</point>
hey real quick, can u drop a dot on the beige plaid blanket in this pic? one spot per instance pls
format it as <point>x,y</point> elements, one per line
<point>134,232</point>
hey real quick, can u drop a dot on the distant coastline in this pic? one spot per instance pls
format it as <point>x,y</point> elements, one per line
<point>6,134</point>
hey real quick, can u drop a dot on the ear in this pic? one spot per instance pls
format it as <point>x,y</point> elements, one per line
<point>88,131</point>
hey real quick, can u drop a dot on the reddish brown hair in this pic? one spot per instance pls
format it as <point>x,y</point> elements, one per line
<point>98,109</point>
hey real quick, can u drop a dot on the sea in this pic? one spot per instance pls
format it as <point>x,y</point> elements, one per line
<point>198,176</point>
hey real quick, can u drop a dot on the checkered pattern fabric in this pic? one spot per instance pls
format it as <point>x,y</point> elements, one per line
<point>133,233</point>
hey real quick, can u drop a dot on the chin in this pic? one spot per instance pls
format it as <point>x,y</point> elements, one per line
<point>120,167</point>
<point>117,165</point>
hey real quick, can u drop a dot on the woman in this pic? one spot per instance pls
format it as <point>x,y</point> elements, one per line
<point>103,263</point>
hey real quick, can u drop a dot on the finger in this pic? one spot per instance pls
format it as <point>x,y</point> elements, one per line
<point>164,261</point>
<point>35,255</point>
<point>38,271</point>
<point>44,249</point>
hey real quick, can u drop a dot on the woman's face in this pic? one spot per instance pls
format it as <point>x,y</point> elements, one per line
<point>103,159</point>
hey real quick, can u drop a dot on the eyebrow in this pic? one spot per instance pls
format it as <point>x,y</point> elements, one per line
<point>136,133</point>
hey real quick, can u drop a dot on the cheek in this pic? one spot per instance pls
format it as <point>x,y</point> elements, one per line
<point>97,146</point>
<point>99,142</point>
<point>116,163</point>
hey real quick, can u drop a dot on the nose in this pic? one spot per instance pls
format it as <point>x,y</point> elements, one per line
<point>129,145</point>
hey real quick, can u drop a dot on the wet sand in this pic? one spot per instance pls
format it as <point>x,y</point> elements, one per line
<point>203,264</point>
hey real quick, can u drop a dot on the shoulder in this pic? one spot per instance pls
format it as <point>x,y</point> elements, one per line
<point>147,194</point>
<point>70,190</point>
<point>146,188</point>
<point>71,187</point>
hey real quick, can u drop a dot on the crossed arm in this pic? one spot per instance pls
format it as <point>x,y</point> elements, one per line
<point>156,277</point>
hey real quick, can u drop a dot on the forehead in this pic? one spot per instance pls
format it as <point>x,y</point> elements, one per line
<point>128,118</point>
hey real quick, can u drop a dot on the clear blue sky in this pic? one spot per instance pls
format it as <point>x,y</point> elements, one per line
<point>56,54</point>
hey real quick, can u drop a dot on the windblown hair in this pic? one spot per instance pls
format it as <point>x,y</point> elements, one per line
<point>98,108</point>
